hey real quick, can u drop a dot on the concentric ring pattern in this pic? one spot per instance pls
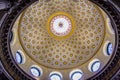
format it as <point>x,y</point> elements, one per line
<point>62,39</point>
<point>71,51</point>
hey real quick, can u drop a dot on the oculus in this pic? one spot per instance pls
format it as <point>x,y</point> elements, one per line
<point>35,71</point>
<point>55,76</point>
<point>19,57</point>
<point>76,74</point>
<point>94,65</point>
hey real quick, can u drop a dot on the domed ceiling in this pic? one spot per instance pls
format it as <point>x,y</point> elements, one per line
<point>62,36</point>
<point>62,40</point>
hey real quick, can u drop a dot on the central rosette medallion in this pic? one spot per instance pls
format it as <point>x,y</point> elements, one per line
<point>60,25</point>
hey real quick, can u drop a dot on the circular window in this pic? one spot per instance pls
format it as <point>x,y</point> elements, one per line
<point>11,36</point>
<point>55,76</point>
<point>94,65</point>
<point>108,48</point>
<point>19,57</point>
<point>76,74</point>
<point>35,71</point>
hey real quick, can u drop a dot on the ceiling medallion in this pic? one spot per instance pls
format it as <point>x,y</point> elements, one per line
<point>60,25</point>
